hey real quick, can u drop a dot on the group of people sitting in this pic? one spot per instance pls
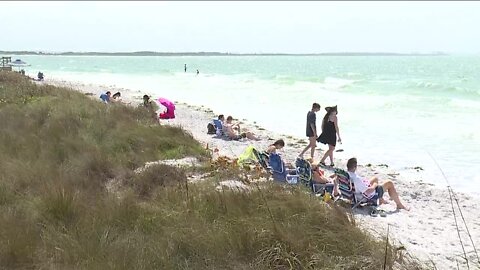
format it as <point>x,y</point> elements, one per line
<point>227,128</point>
<point>368,187</point>
<point>147,103</point>
<point>108,98</point>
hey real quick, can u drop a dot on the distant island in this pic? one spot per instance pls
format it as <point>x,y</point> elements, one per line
<point>151,53</point>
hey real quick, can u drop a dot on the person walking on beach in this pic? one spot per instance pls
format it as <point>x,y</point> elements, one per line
<point>329,133</point>
<point>371,187</point>
<point>198,72</point>
<point>311,131</point>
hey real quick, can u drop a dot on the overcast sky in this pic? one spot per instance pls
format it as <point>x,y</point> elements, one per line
<point>242,27</point>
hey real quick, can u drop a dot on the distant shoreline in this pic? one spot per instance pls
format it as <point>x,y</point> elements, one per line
<point>150,53</point>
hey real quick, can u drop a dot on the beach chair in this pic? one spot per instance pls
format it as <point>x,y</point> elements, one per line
<point>262,159</point>
<point>279,172</point>
<point>305,173</point>
<point>347,191</point>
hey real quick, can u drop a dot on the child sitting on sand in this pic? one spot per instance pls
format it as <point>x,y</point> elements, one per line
<point>233,131</point>
<point>370,187</point>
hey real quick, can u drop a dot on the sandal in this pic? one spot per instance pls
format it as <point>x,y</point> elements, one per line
<point>332,165</point>
<point>374,213</point>
<point>382,213</point>
<point>323,164</point>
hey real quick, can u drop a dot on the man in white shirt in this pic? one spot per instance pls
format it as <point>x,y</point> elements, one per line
<point>370,187</point>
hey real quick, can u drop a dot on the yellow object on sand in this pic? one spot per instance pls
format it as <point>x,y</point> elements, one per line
<point>247,156</point>
<point>327,197</point>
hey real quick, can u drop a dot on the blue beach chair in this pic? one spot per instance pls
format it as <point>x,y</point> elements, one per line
<point>279,172</point>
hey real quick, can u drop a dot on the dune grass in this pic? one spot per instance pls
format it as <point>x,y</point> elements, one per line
<point>59,149</point>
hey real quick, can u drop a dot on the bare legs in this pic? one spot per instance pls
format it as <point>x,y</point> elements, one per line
<point>312,144</point>
<point>329,154</point>
<point>390,188</point>
<point>251,136</point>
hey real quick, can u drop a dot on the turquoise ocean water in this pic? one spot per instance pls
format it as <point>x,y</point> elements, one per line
<point>392,109</point>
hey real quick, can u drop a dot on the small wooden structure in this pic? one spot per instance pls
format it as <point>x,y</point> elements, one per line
<point>5,64</point>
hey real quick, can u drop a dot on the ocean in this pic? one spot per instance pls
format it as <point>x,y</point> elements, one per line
<point>393,110</point>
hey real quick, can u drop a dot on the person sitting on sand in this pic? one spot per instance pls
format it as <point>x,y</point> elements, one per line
<point>116,97</point>
<point>106,97</point>
<point>151,106</point>
<point>218,124</point>
<point>233,131</point>
<point>370,187</point>
<point>277,145</point>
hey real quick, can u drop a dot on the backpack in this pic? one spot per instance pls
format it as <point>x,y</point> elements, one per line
<point>211,129</point>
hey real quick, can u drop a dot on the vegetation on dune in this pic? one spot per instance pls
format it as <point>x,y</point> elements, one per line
<point>59,150</point>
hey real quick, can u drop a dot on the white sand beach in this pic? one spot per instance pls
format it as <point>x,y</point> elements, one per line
<point>427,231</point>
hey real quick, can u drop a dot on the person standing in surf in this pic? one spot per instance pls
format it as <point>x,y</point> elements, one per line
<point>185,67</point>
<point>329,133</point>
<point>311,130</point>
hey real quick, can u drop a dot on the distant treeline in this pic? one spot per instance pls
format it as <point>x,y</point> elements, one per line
<point>150,53</point>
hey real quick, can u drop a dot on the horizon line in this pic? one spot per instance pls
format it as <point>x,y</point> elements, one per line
<point>203,53</point>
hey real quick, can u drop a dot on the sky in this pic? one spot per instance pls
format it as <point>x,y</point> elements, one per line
<point>241,27</point>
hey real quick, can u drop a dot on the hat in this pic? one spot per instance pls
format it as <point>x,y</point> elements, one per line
<point>331,109</point>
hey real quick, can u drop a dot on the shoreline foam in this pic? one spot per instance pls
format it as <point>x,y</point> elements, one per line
<point>427,231</point>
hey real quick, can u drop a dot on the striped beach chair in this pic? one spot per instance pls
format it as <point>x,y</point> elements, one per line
<point>305,173</point>
<point>347,191</point>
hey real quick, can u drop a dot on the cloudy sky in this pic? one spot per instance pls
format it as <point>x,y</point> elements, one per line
<point>242,27</point>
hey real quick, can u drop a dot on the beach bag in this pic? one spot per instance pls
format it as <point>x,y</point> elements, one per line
<point>211,129</point>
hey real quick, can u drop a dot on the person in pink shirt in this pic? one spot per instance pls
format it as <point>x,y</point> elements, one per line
<point>370,187</point>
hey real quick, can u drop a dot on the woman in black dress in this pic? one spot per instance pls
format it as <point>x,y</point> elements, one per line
<point>329,133</point>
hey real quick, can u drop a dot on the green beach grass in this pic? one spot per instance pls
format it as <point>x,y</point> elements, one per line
<point>58,151</point>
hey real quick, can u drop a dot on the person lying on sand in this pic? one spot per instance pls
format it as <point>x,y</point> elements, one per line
<point>233,131</point>
<point>370,187</point>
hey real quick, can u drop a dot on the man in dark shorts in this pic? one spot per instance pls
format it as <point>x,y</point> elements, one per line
<point>233,131</point>
<point>371,187</point>
<point>311,131</point>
